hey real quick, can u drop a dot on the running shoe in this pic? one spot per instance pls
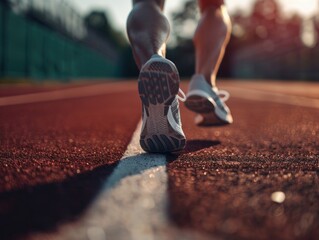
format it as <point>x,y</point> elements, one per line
<point>158,87</point>
<point>208,102</point>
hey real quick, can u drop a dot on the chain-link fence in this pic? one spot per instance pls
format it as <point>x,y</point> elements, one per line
<point>30,50</point>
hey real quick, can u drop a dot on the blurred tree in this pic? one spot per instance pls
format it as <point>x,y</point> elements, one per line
<point>99,22</point>
<point>185,21</point>
<point>266,22</point>
<point>181,51</point>
<point>316,25</point>
<point>268,44</point>
<point>264,44</point>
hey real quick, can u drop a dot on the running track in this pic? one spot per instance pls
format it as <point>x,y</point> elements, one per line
<point>61,176</point>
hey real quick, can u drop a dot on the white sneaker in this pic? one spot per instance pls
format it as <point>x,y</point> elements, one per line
<point>158,86</point>
<point>208,102</point>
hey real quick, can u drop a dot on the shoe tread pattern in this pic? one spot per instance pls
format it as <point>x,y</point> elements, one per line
<point>158,86</point>
<point>199,104</point>
<point>204,107</point>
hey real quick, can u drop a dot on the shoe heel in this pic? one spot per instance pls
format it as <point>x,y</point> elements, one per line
<point>199,104</point>
<point>158,86</point>
<point>158,83</point>
<point>161,143</point>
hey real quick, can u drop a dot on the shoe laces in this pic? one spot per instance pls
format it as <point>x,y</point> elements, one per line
<point>182,98</point>
<point>224,95</point>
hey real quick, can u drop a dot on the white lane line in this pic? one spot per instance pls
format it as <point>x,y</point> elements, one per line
<point>76,92</point>
<point>133,203</point>
<point>105,88</point>
<point>265,96</point>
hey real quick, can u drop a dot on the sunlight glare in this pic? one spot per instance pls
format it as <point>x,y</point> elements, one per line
<point>278,197</point>
<point>304,7</point>
<point>308,35</point>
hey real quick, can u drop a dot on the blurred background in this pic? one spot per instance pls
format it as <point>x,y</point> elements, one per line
<point>65,40</point>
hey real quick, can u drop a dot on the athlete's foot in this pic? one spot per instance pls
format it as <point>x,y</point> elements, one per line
<point>158,86</point>
<point>208,102</point>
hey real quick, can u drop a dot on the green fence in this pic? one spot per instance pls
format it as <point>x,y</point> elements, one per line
<point>29,50</point>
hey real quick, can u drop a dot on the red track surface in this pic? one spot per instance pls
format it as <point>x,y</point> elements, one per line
<point>55,156</point>
<point>223,181</point>
<point>50,141</point>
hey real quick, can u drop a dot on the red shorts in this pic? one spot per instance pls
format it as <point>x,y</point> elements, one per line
<point>203,4</point>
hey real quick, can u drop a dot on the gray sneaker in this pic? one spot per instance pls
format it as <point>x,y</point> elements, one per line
<point>208,102</point>
<point>158,86</point>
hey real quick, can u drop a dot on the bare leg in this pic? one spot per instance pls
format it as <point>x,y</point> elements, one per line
<point>148,30</point>
<point>158,81</point>
<point>211,38</point>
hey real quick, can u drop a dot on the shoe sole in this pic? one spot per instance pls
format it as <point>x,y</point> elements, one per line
<point>206,109</point>
<point>158,85</point>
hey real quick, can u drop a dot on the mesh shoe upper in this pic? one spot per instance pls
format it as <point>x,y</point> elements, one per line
<point>204,99</point>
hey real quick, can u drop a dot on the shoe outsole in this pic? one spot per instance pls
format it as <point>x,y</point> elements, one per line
<point>206,109</point>
<point>158,86</point>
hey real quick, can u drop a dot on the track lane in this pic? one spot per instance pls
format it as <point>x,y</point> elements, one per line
<point>55,155</point>
<point>221,184</point>
<point>66,93</point>
<point>132,203</point>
